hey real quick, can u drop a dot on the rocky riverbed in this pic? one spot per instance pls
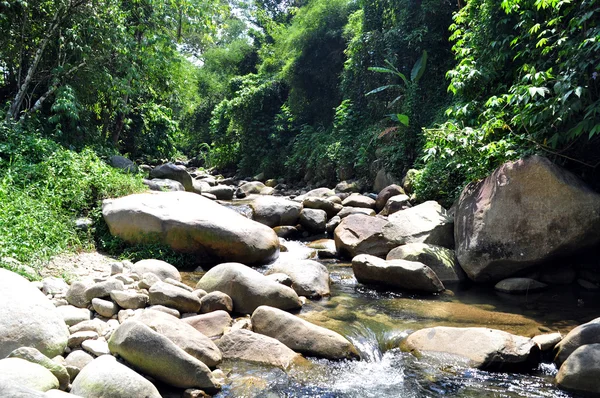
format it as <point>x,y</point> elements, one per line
<point>381,307</point>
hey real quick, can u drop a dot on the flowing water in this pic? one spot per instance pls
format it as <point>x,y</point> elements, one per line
<point>377,320</point>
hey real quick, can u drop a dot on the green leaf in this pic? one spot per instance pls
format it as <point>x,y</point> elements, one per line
<point>399,117</point>
<point>380,89</point>
<point>419,68</point>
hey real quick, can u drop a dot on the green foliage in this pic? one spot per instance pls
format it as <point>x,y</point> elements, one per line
<point>43,188</point>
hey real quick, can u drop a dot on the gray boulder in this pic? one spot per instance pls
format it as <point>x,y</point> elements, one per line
<point>396,204</point>
<point>274,211</point>
<point>361,201</point>
<point>301,335</point>
<point>254,347</point>
<point>221,192</point>
<point>121,162</point>
<point>192,224</point>
<point>426,223</point>
<point>164,185</point>
<point>348,211</point>
<point>483,348</point>
<point>173,172</point>
<point>313,220</point>
<point>525,213</point>
<point>76,293</point>
<point>519,286</point>
<point>309,278</point>
<point>212,324</point>
<point>441,260</point>
<point>409,275</point>
<point>183,335</point>
<point>581,371</point>
<point>73,315</point>
<point>103,289</point>
<point>588,333</point>
<point>27,374</point>
<point>160,268</point>
<point>162,293</point>
<point>325,204</point>
<point>130,299</point>
<point>385,194</point>
<point>104,377</point>
<point>249,188</point>
<point>34,356</point>
<point>28,318</point>
<point>157,356</point>
<point>215,301</point>
<point>248,288</point>
<point>361,234</point>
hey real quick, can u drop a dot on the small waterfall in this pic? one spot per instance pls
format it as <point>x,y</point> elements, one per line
<point>373,342</point>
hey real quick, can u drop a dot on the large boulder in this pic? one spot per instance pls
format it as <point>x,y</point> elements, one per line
<point>588,333</point>
<point>426,223</point>
<point>248,288</point>
<point>27,374</point>
<point>314,220</point>
<point>121,162</point>
<point>164,185</point>
<point>104,377</point>
<point>483,348</point>
<point>28,318</point>
<point>173,172</point>
<point>309,278</point>
<point>525,213</point>
<point>157,356</point>
<point>409,275</point>
<point>222,192</point>
<point>254,347</point>
<point>32,355</point>
<point>301,335</point>
<point>441,260</point>
<point>581,371</point>
<point>162,293</point>
<point>356,200</point>
<point>274,211</point>
<point>184,335</point>
<point>212,324</point>
<point>361,234</point>
<point>316,202</point>
<point>386,193</point>
<point>160,268</point>
<point>190,223</point>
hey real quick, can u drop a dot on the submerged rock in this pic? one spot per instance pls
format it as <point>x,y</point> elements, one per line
<point>484,348</point>
<point>409,275</point>
<point>525,213</point>
<point>248,288</point>
<point>301,335</point>
<point>192,224</point>
<point>519,286</point>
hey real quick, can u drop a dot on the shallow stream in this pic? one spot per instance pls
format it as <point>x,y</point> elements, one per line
<point>376,321</point>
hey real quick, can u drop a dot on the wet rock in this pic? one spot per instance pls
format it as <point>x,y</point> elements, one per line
<point>28,318</point>
<point>361,201</point>
<point>313,220</point>
<point>248,288</point>
<point>441,260</point>
<point>275,211</point>
<point>409,275</point>
<point>309,278</point>
<point>26,374</point>
<point>192,224</point>
<point>385,194</point>
<point>162,293</point>
<point>34,356</point>
<point>215,301</point>
<point>588,333</point>
<point>519,286</point>
<point>564,275</point>
<point>426,223</point>
<point>173,172</point>
<point>525,213</point>
<point>254,347</point>
<point>348,211</point>
<point>160,268</point>
<point>212,324</point>
<point>300,335</point>
<point>104,377</point>
<point>157,356</point>
<point>484,348</point>
<point>581,371</point>
<point>183,335</point>
<point>286,231</point>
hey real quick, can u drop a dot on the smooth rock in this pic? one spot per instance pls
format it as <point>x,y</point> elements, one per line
<point>157,356</point>
<point>103,289</point>
<point>487,349</point>
<point>441,260</point>
<point>348,211</point>
<point>309,278</point>
<point>408,275</point>
<point>275,211</point>
<point>385,194</point>
<point>162,293</point>
<point>361,234</point>
<point>300,335</point>
<point>325,204</point>
<point>183,335</point>
<point>173,172</point>
<point>27,374</point>
<point>96,347</point>
<point>28,318</point>
<point>166,310</point>
<point>212,324</point>
<point>248,288</point>
<point>547,342</point>
<point>94,325</point>
<point>221,192</point>
<point>519,286</point>
<point>254,347</point>
<point>178,284</point>
<point>588,333</point>
<point>54,286</point>
<point>215,301</point>
<point>525,213</point>
<point>76,293</point>
<point>581,371</point>
<point>34,356</point>
<point>160,268</point>
<point>122,163</point>
<point>426,223</point>
<point>396,204</point>
<point>249,188</point>
<point>78,359</point>
<point>313,220</point>
<point>76,339</point>
<point>104,377</point>
<point>130,299</point>
<point>360,201</point>
<point>191,224</point>
<point>73,315</point>
<point>104,307</point>
<point>164,185</point>
<point>332,224</point>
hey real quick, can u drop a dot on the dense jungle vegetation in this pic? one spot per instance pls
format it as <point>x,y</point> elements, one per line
<point>312,90</point>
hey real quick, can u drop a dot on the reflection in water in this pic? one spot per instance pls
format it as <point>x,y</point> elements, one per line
<point>377,320</point>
